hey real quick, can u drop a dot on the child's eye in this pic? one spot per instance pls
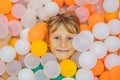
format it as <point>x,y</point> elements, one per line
<point>70,38</point>
<point>56,37</point>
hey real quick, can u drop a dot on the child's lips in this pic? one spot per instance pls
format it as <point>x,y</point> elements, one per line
<point>62,50</point>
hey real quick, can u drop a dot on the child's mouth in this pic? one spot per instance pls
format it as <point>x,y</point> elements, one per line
<point>62,50</point>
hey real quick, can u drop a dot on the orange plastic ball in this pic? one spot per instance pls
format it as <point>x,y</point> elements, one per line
<point>98,69</point>
<point>95,18</point>
<point>69,2</point>
<point>115,73</point>
<point>5,6</point>
<point>105,76</point>
<point>85,27</point>
<point>110,16</point>
<point>37,32</point>
<point>59,2</point>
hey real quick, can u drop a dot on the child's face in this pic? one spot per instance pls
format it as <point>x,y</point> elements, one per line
<point>61,43</point>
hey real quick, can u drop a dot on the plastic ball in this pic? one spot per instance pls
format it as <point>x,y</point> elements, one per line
<point>87,60</point>
<point>81,42</point>
<point>112,43</point>
<point>51,9</point>
<point>5,6</point>
<point>22,46</point>
<point>7,53</point>
<point>85,27</point>
<point>48,57</point>
<point>12,78</point>
<point>105,75</point>
<point>99,68</point>
<point>75,57</point>
<point>41,48</point>
<point>114,26</point>
<point>21,60</point>
<point>12,42</point>
<point>71,8</point>
<point>80,2</point>
<point>1,78</point>
<point>91,1</point>
<point>59,2</point>
<point>68,79</point>
<point>52,71</point>
<point>14,1</point>
<point>114,73</point>
<point>89,34</point>
<point>111,61</point>
<point>119,15</point>
<point>37,32</point>
<point>18,10</point>
<point>24,33</point>
<point>40,75</point>
<point>3,19</point>
<point>28,20</point>
<point>110,16</point>
<point>13,67</point>
<point>69,2</point>
<point>4,31</point>
<point>95,18</point>
<point>101,31</point>
<point>2,67</point>
<point>99,49</point>
<point>68,67</point>
<point>110,5</point>
<point>82,13</point>
<point>84,74</point>
<point>15,26</point>
<point>31,61</point>
<point>26,74</point>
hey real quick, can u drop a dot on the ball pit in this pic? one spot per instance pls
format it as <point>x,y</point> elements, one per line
<point>24,50</point>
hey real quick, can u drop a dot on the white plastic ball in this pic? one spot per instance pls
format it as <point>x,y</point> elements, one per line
<point>31,61</point>
<point>68,79</point>
<point>3,19</point>
<point>80,2</point>
<point>2,67</point>
<point>15,26</point>
<point>111,61</point>
<point>52,69</point>
<point>26,74</point>
<point>101,31</point>
<point>87,60</point>
<point>28,20</point>
<point>7,54</point>
<point>24,33</point>
<point>114,26</point>
<point>110,5</point>
<point>34,4</point>
<point>13,67</point>
<point>82,42</point>
<point>75,57</point>
<point>112,43</point>
<point>14,1</point>
<point>99,49</point>
<point>51,9</point>
<point>84,74</point>
<point>92,2</point>
<point>48,57</point>
<point>40,75</point>
<point>13,78</point>
<point>18,10</point>
<point>22,46</point>
<point>88,33</point>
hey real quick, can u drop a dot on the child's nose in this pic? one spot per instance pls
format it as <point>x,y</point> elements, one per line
<point>63,43</point>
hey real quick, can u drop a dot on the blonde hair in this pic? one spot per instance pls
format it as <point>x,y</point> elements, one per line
<point>68,19</point>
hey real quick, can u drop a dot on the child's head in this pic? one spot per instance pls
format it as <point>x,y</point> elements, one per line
<point>62,29</point>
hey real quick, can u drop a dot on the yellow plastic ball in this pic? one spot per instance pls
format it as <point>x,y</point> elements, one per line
<point>38,48</point>
<point>68,68</point>
<point>12,42</point>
